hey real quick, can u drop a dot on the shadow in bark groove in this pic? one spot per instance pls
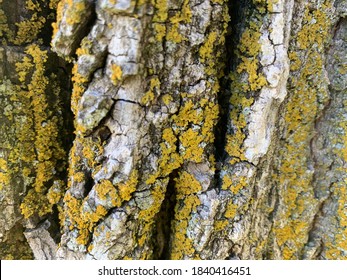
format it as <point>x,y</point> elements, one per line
<point>164,219</point>
<point>236,9</point>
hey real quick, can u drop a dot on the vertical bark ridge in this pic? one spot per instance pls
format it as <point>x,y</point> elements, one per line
<point>34,125</point>
<point>204,129</point>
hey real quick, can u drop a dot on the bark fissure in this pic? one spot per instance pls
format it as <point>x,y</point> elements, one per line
<point>204,129</point>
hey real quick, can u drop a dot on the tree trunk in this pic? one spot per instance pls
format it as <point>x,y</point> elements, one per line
<point>203,129</point>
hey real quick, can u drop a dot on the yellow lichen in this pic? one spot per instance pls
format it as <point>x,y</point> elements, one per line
<point>170,159</point>
<point>5,177</point>
<point>154,85</point>
<point>186,184</point>
<point>75,12</point>
<point>161,13</point>
<point>146,216</point>
<point>28,30</point>
<point>111,195</point>
<point>220,225</point>
<point>79,86</point>
<point>235,141</point>
<point>182,244</point>
<point>231,211</point>
<point>48,151</point>
<point>160,31</point>
<point>167,99</point>
<point>294,178</point>
<point>161,17</point>
<point>191,143</point>
<point>117,73</point>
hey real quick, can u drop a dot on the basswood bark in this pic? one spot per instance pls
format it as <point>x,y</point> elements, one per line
<point>202,129</point>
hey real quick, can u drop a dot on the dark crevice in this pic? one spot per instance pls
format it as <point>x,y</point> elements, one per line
<point>164,220</point>
<point>231,41</point>
<point>84,27</point>
<point>89,183</point>
<point>54,226</point>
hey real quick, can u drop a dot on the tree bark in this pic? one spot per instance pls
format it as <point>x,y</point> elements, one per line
<point>203,129</point>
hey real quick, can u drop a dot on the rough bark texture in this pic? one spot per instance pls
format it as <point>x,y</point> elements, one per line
<point>204,129</point>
